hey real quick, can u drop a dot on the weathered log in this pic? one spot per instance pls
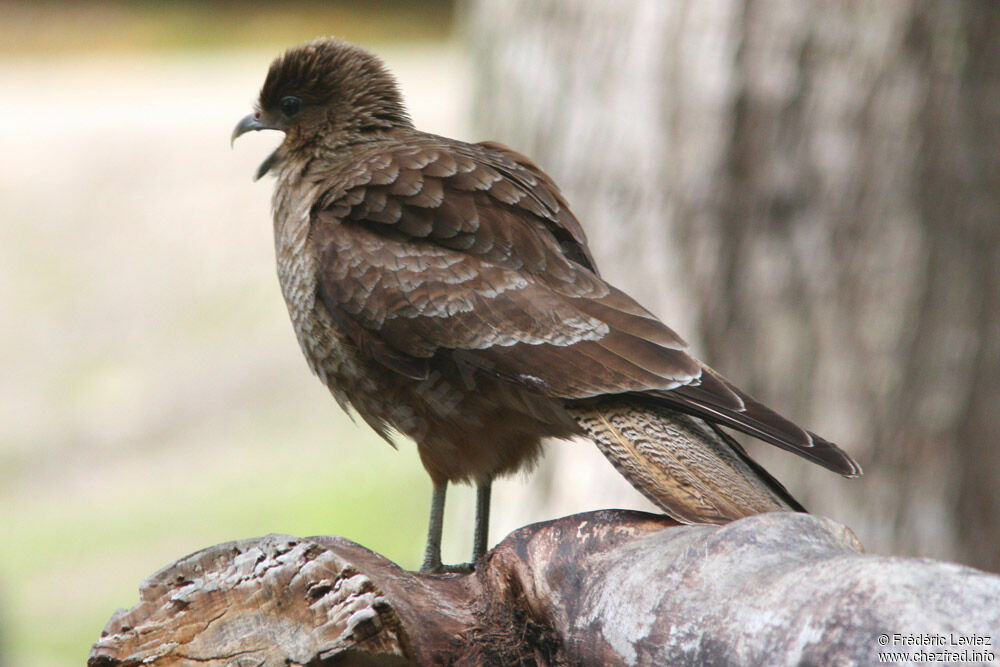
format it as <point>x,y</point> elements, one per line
<point>608,587</point>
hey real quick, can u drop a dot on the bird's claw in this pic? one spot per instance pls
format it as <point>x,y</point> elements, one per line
<point>441,568</point>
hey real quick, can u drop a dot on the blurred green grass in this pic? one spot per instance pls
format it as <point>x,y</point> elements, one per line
<point>122,534</point>
<point>80,555</point>
<point>49,27</point>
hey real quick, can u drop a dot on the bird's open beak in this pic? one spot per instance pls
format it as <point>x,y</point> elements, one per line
<point>251,123</point>
<point>254,123</point>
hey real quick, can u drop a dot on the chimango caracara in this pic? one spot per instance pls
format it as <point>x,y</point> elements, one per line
<point>444,291</point>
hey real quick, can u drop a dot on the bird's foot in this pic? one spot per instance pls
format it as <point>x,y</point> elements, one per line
<point>440,568</point>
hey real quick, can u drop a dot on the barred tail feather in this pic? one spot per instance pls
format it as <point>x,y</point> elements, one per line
<point>685,466</point>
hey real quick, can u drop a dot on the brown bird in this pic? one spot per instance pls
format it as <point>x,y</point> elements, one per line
<point>444,291</point>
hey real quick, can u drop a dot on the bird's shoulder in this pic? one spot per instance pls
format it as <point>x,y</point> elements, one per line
<point>481,199</point>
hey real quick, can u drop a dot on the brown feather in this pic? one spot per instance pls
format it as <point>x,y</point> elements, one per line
<point>679,462</point>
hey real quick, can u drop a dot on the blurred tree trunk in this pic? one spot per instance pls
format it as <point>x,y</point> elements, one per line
<point>810,193</point>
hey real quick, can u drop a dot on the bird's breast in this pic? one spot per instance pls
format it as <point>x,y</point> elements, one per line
<point>323,344</point>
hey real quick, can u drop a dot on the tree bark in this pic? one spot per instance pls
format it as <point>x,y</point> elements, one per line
<point>601,588</point>
<point>809,191</point>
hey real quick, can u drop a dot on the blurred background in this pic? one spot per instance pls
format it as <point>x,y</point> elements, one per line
<point>808,192</point>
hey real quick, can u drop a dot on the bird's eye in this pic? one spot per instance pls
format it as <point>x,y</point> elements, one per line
<point>290,106</point>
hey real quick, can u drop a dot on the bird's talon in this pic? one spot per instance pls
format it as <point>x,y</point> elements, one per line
<point>440,568</point>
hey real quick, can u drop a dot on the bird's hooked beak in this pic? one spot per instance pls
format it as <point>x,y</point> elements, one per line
<point>250,123</point>
<point>253,123</point>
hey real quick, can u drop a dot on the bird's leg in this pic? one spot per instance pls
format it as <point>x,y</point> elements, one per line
<point>432,553</point>
<point>481,536</point>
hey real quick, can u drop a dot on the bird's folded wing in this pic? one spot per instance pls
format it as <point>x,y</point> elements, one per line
<point>461,249</point>
<point>403,300</point>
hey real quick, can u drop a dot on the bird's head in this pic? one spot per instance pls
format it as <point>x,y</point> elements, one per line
<point>325,93</point>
